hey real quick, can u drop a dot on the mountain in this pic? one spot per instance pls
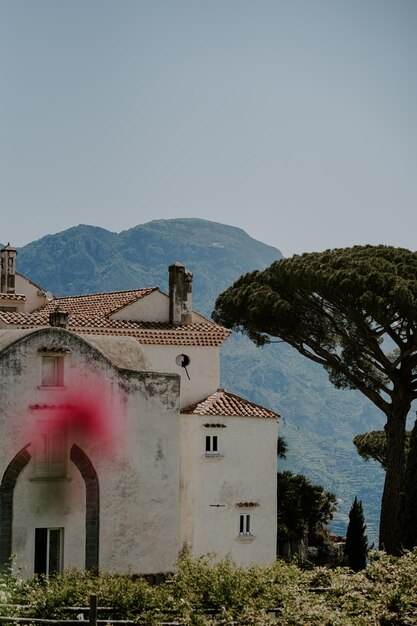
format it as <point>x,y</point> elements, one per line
<point>319,421</point>
<point>85,259</point>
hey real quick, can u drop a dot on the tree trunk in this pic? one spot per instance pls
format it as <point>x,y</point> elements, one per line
<point>390,529</point>
<point>408,517</point>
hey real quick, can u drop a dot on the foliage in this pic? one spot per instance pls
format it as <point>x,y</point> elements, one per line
<point>202,593</point>
<point>344,309</point>
<point>373,445</point>
<point>282,448</point>
<point>303,508</point>
<point>73,588</point>
<point>356,547</point>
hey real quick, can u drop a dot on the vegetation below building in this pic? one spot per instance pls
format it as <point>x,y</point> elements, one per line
<point>304,510</point>
<point>203,593</point>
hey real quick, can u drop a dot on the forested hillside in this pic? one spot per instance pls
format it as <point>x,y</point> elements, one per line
<point>318,421</point>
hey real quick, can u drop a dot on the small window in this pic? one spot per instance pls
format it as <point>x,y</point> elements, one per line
<point>212,444</point>
<point>52,371</point>
<point>244,524</point>
<point>49,543</point>
<point>51,450</point>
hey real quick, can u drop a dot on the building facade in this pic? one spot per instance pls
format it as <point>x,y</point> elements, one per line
<point>117,447</point>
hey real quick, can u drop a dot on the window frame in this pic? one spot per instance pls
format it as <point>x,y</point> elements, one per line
<point>245,525</point>
<point>51,450</point>
<point>42,560</point>
<point>211,446</point>
<point>57,380</point>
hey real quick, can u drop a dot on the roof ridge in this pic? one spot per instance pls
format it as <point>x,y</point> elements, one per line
<point>235,395</point>
<point>102,293</point>
<point>217,395</point>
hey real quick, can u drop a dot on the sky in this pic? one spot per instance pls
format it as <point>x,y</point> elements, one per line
<point>295,120</point>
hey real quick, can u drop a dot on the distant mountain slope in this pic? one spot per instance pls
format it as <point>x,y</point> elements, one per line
<point>84,259</point>
<point>318,420</point>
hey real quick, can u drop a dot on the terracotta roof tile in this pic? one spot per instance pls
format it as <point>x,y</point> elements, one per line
<point>102,304</point>
<point>19,319</point>
<point>12,296</point>
<point>89,314</point>
<point>150,333</point>
<point>222,402</point>
<point>185,336</point>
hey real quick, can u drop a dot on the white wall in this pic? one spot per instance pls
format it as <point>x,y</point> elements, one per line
<point>33,293</point>
<point>244,471</point>
<point>204,369</point>
<point>151,308</point>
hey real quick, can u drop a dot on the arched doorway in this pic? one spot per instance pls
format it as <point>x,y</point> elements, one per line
<point>92,516</point>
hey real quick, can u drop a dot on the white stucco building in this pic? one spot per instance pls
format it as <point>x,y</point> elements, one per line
<point>117,447</point>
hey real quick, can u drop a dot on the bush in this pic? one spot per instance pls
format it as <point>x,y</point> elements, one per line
<point>204,593</point>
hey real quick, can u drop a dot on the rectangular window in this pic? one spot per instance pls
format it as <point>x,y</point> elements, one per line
<point>52,371</point>
<point>212,444</point>
<point>49,543</point>
<point>51,450</point>
<point>244,524</point>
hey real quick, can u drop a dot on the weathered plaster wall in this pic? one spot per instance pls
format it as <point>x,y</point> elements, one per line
<point>48,504</point>
<point>135,454</point>
<point>189,479</point>
<point>145,480</point>
<point>125,352</point>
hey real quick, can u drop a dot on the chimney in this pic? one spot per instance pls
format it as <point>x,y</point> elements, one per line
<point>8,269</point>
<point>58,318</point>
<point>180,295</point>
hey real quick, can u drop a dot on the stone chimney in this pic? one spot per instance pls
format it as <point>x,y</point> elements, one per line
<point>58,318</point>
<point>8,269</point>
<point>180,295</point>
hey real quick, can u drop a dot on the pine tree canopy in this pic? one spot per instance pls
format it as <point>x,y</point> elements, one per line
<point>373,445</point>
<point>354,311</point>
<point>337,308</point>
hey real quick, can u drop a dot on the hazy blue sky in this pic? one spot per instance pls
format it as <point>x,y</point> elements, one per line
<point>293,119</point>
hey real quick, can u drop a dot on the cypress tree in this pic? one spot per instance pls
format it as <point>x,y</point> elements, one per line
<point>356,548</point>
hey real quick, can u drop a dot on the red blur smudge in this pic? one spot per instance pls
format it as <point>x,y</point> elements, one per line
<point>84,411</point>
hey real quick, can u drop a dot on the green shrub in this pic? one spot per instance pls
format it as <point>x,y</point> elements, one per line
<point>203,592</point>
